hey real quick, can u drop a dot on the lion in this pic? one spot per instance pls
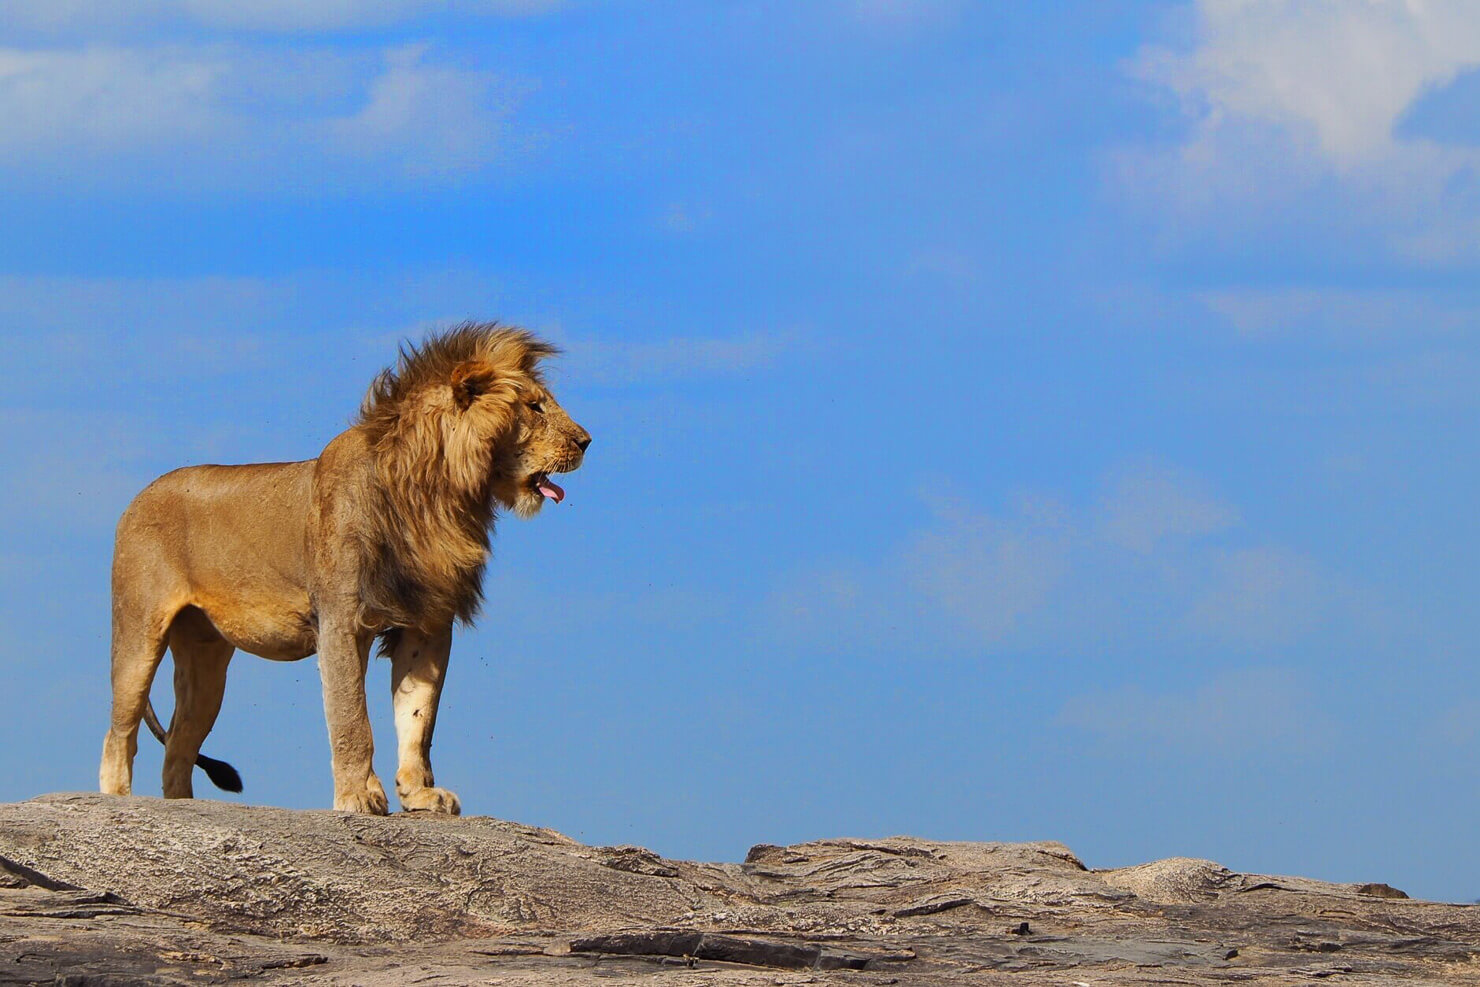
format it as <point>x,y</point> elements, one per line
<point>385,535</point>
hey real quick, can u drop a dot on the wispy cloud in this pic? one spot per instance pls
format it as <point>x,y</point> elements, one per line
<point>229,113</point>
<point>894,14</point>
<point>209,325</point>
<point>615,361</point>
<point>1236,711</point>
<point>88,307</point>
<point>1157,561</point>
<point>1265,595</point>
<point>682,218</point>
<point>1342,315</point>
<point>1145,506</point>
<point>67,470</point>
<point>260,15</point>
<point>1457,725</point>
<point>986,573</point>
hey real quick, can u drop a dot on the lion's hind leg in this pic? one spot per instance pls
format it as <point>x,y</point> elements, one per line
<point>201,655</point>
<point>138,646</point>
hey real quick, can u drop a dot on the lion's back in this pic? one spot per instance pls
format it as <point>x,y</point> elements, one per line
<point>219,525</point>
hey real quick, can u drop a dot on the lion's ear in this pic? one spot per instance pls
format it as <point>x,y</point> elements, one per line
<point>470,379</point>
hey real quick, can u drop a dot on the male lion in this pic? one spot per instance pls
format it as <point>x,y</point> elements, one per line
<point>384,534</point>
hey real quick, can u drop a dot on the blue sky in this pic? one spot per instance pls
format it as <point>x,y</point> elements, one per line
<point>1012,421</point>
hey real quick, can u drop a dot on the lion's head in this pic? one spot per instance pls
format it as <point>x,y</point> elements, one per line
<point>463,424</point>
<point>547,442</point>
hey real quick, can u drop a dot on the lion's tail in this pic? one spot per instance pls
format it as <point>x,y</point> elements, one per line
<point>222,775</point>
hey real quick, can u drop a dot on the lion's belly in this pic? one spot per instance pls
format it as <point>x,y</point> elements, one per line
<point>275,629</point>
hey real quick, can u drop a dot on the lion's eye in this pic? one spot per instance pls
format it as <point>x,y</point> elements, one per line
<point>538,406</point>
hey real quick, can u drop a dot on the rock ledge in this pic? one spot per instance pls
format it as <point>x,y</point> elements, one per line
<point>96,889</point>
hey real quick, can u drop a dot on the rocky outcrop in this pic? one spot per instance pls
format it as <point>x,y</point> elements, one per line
<point>97,889</point>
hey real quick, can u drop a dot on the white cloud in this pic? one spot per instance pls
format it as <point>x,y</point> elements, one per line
<point>435,119</point>
<point>259,15</point>
<point>1250,708</point>
<point>241,114</point>
<point>1294,107</point>
<point>103,98</point>
<point>1338,71</point>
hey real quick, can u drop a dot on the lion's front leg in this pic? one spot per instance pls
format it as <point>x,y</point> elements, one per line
<point>418,666</point>
<point>343,656</point>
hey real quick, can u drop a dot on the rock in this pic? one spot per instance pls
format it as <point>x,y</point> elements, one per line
<point>97,889</point>
<point>725,949</point>
<point>1380,891</point>
<point>336,877</point>
<point>1172,881</point>
<point>636,860</point>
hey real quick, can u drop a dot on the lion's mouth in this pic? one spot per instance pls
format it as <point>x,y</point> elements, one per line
<point>547,487</point>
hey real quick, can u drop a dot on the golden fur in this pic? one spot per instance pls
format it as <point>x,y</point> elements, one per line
<point>384,534</point>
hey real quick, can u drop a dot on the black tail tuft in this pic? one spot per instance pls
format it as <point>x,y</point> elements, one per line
<point>222,775</point>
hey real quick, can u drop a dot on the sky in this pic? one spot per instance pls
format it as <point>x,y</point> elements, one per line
<point>1011,421</point>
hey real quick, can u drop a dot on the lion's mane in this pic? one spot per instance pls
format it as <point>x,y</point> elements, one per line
<point>427,504</point>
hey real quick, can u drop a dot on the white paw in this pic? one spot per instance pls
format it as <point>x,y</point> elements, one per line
<point>431,800</point>
<point>374,803</point>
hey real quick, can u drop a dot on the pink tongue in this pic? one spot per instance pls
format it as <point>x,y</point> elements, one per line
<point>551,489</point>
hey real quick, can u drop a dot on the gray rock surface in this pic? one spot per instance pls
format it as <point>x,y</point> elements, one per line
<point>103,890</point>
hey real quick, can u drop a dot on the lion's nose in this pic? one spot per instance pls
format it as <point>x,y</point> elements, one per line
<point>584,441</point>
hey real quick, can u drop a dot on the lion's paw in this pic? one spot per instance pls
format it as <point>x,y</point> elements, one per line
<point>372,802</point>
<point>431,800</point>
